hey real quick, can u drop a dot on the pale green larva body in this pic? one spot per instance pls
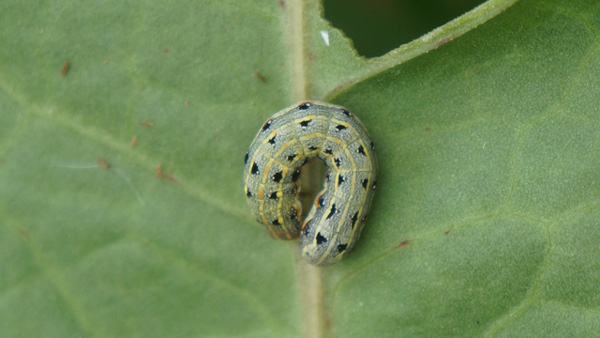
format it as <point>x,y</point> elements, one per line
<point>272,171</point>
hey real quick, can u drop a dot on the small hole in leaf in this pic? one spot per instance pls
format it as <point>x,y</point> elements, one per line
<point>378,26</point>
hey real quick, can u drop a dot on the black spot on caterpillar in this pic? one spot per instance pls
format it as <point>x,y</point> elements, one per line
<point>321,239</point>
<point>304,124</point>
<point>254,169</point>
<point>266,125</point>
<point>272,170</point>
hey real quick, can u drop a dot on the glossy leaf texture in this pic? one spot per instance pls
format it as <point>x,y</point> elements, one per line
<point>122,211</point>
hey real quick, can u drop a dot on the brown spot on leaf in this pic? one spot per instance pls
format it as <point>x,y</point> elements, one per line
<point>24,233</point>
<point>133,141</point>
<point>65,68</point>
<point>328,323</point>
<point>260,77</point>
<point>160,174</point>
<point>444,41</point>
<point>102,163</point>
<point>403,243</point>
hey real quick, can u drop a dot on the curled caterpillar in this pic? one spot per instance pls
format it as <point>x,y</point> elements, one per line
<point>272,171</point>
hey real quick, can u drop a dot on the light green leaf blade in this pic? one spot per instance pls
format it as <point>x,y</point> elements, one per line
<point>485,218</point>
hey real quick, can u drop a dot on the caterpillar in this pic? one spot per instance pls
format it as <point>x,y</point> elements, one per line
<point>272,172</point>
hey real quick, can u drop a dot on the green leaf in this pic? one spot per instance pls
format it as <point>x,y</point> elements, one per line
<point>485,222</point>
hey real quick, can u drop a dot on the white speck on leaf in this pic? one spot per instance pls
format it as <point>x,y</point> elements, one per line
<point>325,37</point>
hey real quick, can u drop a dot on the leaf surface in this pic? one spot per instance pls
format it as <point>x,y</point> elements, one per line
<point>122,211</point>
